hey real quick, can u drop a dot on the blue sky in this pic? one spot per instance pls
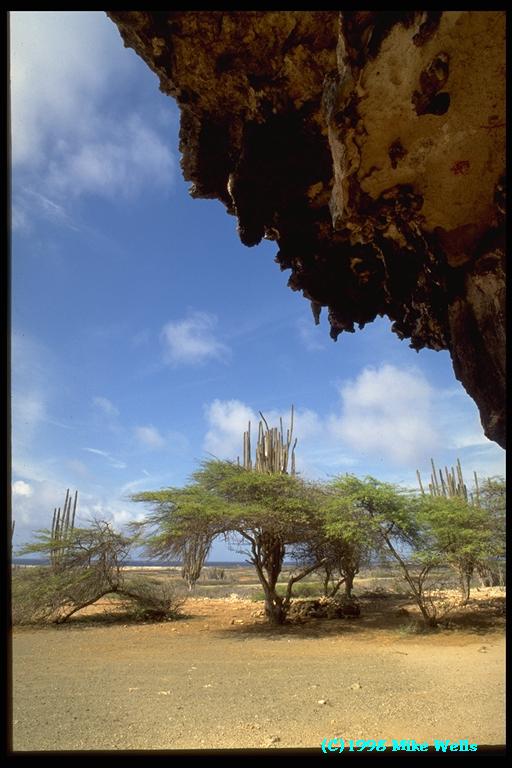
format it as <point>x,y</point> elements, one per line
<point>145,335</point>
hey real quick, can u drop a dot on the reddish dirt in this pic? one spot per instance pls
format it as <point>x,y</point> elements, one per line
<point>222,678</point>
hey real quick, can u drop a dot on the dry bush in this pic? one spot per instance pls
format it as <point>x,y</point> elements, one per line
<point>441,601</point>
<point>148,599</point>
<point>26,603</point>
<point>40,595</point>
<point>215,574</point>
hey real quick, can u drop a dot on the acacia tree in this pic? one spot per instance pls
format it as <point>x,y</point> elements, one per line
<point>492,498</point>
<point>460,532</point>
<point>90,561</point>
<point>266,514</point>
<point>388,518</point>
<point>421,533</point>
<point>90,566</point>
<point>470,527</point>
<point>272,514</point>
<point>343,543</point>
<point>183,524</point>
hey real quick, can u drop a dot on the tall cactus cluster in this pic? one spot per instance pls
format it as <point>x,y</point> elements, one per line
<point>451,484</point>
<point>63,523</point>
<point>273,452</point>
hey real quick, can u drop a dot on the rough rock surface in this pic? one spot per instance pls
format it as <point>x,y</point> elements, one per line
<point>324,608</point>
<point>371,147</point>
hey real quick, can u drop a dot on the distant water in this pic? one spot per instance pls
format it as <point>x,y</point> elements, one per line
<point>140,563</point>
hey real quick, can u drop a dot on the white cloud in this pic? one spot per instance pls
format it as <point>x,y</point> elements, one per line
<point>33,511</point>
<point>69,132</point>
<point>121,517</point>
<point>106,406</point>
<point>21,488</point>
<point>121,158</point>
<point>388,412</point>
<point>467,439</point>
<point>462,426</point>
<point>192,341</point>
<point>228,420</point>
<point>387,416</point>
<point>60,65</point>
<point>150,437</point>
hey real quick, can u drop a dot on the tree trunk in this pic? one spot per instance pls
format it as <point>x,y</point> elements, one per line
<point>84,604</point>
<point>274,609</point>
<point>430,621</point>
<point>274,612</point>
<point>326,583</point>
<point>465,584</point>
<point>349,584</point>
<point>488,577</point>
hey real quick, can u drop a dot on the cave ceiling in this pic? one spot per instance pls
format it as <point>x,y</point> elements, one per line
<point>370,146</point>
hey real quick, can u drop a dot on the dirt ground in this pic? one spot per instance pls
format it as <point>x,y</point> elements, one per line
<point>222,678</point>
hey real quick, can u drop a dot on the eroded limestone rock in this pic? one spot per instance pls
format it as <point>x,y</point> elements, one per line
<point>370,147</point>
<point>324,608</point>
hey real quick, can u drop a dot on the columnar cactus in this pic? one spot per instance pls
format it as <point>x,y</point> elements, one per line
<point>450,484</point>
<point>272,451</point>
<point>63,524</point>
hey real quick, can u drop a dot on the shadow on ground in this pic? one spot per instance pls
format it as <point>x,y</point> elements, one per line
<point>386,613</point>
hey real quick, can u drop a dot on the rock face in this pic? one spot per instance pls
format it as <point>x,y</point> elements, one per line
<point>324,608</point>
<point>371,147</point>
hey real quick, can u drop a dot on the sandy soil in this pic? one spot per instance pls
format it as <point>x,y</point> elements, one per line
<point>221,678</point>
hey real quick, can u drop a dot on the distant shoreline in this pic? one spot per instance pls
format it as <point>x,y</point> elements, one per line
<point>143,563</point>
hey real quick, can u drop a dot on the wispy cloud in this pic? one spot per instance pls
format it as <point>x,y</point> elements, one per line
<point>69,136</point>
<point>150,437</point>
<point>31,391</point>
<point>312,336</point>
<point>97,451</point>
<point>20,219</point>
<point>115,463</point>
<point>192,341</point>
<point>78,467</point>
<point>29,204</point>
<point>106,406</point>
<point>470,439</point>
<point>129,156</point>
<point>28,410</point>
